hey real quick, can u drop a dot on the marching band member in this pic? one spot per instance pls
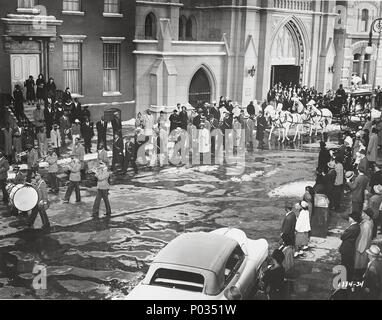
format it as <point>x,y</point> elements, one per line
<point>42,205</point>
<point>103,186</point>
<point>32,161</point>
<point>74,179</point>
<point>4,167</point>
<point>102,154</point>
<point>52,158</point>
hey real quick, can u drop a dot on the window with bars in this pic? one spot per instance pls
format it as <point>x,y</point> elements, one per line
<point>111,67</point>
<point>72,67</point>
<point>26,4</point>
<point>111,6</point>
<point>72,5</point>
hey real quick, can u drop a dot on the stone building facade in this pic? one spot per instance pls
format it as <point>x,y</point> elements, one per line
<point>351,39</point>
<point>139,54</point>
<point>195,51</point>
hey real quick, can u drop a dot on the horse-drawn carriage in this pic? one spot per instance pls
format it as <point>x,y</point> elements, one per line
<point>354,111</point>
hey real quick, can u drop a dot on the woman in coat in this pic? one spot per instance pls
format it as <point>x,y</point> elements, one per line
<point>31,95</point>
<point>40,92</point>
<point>363,243</point>
<point>17,142</point>
<point>302,229</point>
<point>51,89</point>
<point>372,148</point>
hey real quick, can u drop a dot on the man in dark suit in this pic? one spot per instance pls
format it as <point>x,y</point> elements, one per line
<point>347,248</point>
<point>49,117</point>
<point>117,125</point>
<point>87,134</point>
<point>131,155</point>
<point>289,224</point>
<point>101,132</point>
<point>117,152</point>
<point>373,276</point>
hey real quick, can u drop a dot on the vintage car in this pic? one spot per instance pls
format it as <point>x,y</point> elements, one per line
<point>204,266</point>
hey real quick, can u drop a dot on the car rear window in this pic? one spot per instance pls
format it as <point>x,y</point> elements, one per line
<point>177,279</point>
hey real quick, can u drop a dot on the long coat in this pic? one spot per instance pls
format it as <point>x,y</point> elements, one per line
<point>373,280</point>
<point>372,148</point>
<point>55,138</point>
<point>7,142</point>
<point>349,237</point>
<point>363,242</point>
<point>288,227</point>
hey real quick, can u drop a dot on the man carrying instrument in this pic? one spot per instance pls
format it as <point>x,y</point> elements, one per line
<point>42,205</point>
<point>4,167</point>
<point>51,158</point>
<point>103,186</point>
<point>32,161</point>
<point>74,180</point>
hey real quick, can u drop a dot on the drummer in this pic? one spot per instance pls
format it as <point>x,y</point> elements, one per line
<point>20,178</point>
<point>42,205</point>
<point>4,167</point>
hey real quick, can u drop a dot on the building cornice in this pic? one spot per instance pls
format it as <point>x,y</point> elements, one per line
<point>113,39</point>
<point>190,54</point>
<point>152,3</point>
<point>73,38</point>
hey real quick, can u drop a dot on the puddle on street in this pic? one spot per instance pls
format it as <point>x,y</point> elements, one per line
<point>105,259</point>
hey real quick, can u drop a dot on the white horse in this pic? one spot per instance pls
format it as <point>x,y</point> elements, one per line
<point>294,120</point>
<point>319,117</point>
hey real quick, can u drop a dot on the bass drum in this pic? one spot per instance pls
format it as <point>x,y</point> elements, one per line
<point>23,198</point>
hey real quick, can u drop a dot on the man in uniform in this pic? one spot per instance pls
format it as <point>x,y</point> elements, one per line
<point>51,158</point>
<point>74,180</point>
<point>32,161</point>
<point>102,154</point>
<point>4,167</point>
<point>42,205</point>
<point>79,152</point>
<point>102,175</point>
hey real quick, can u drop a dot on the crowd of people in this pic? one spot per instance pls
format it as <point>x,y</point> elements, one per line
<point>349,169</point>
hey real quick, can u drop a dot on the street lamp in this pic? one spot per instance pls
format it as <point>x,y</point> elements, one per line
<point>376,26</point>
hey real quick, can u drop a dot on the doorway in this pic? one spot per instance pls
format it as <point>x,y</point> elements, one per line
<point>286,74</point>
<point>200,89</point>
<point>23,66</point>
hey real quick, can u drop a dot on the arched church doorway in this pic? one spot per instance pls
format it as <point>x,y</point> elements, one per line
<point>200,89</point>
<point>287,56</point>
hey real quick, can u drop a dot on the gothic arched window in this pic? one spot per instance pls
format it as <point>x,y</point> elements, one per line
<point>150,26</point>
<point>364,20</point>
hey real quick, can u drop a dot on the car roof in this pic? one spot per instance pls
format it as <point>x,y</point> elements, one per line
<point>198,250</point>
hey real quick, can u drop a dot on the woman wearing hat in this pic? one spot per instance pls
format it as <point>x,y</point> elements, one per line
<point>347,248</point>
<point>363,242</point>
<point>302,229</point>
<point>329,180</point>
<point>373,275</point>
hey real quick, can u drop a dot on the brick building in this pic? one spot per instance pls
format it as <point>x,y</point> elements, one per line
<point>85,45</point>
